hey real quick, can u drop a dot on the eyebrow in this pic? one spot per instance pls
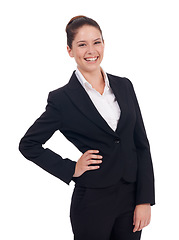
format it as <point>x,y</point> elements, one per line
<point>85,41</point>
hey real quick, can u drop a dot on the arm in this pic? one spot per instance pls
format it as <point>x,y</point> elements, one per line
<point>145,193</point>
<point>145,176</point>
<point>31,144</point>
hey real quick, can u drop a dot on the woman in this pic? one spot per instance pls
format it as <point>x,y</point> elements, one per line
<point>100,115</point>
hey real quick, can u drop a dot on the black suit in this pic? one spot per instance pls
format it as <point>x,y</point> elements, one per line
<point>126,152</point>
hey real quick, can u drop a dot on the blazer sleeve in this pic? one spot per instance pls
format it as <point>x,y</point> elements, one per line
<point>42,129</point>
<point>145,174</point>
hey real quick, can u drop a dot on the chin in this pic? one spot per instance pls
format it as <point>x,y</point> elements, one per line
<point>90,67</point>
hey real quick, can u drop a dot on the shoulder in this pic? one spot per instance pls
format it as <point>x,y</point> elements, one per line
<point>57,94</point>
<point>120,80</point>
<point>60,93</point>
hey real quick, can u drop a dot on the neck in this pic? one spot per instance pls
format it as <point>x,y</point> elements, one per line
<point>95,78</point>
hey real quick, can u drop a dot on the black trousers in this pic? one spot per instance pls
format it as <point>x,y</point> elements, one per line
<point>104,213</point>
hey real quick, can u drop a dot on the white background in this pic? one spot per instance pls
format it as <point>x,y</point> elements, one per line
<point>142,43</point>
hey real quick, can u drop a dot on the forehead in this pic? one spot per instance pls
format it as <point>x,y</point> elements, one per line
<point>87,33</point>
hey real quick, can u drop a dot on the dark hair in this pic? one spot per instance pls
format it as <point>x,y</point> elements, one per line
<point>75,23</point>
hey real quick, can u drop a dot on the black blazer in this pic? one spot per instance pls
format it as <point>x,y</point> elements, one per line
<point>126,151</point>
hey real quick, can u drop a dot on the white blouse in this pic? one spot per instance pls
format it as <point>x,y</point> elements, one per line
<point>106,104</point>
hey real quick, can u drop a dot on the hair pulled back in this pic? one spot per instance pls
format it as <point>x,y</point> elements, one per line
<point>77,22</point>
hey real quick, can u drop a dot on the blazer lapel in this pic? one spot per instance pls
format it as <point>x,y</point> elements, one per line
<point>120,95</point>
<point>82,101</point>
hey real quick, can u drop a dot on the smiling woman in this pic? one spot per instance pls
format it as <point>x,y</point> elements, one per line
<point>99,113</point>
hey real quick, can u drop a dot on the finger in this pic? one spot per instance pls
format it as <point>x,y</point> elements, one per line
<point>144,223</point>
<point>92,156</point>
<point>141,226</point>
<point>137,224</point>
<point>91,152</point>
<point>92,167</point>
<point>94,162</point>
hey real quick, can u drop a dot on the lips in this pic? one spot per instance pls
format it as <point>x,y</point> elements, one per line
<point>91,59</point>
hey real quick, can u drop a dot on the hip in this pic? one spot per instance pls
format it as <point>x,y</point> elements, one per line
<point>118,196</point>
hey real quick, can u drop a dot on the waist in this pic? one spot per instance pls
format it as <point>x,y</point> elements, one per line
<point>116,185</point>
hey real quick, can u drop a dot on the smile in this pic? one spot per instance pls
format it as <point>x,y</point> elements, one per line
<point>91,59</point>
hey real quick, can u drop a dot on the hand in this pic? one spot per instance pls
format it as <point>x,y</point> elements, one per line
<point>142,216</point>
<point>85,160</point>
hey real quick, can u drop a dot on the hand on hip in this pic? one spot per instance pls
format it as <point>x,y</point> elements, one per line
<point>85,160</point>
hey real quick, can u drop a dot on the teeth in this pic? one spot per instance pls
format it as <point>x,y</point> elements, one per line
<point>91,59</point>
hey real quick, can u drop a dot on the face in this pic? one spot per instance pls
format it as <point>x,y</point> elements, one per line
<point>87,49</point>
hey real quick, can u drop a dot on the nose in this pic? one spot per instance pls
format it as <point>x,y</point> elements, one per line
<point>91,49</point>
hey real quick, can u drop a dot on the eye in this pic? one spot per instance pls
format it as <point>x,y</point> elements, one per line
<point>82,45</point>
<point>97,42</point>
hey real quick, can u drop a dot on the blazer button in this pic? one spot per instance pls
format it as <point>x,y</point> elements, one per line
<point>117,141</point>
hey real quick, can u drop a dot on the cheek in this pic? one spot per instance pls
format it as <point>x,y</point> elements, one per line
<point>101,53</point>
<point>79,54</point>
<point>101,50</point>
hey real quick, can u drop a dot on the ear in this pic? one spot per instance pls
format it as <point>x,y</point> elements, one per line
<point>70,52</point>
